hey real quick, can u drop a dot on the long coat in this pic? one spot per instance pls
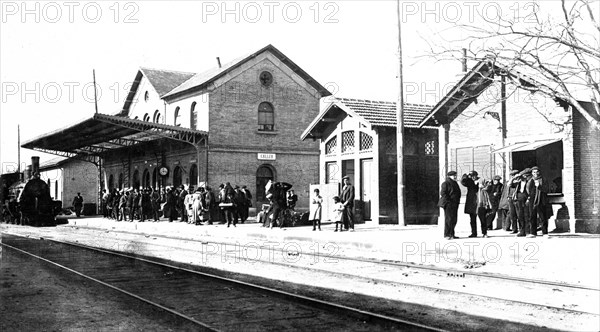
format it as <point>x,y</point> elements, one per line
<point>538,196</point>
<point>449,193</point>
<point>347,196</point>
<point>472,190</point>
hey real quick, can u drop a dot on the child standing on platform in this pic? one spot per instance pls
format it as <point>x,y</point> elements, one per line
<point>338,213</point>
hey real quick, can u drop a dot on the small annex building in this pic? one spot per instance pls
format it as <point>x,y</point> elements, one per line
<point>239,122</point>
<point>357,138</point>
<point>67,177</point>
<point>523,130</point>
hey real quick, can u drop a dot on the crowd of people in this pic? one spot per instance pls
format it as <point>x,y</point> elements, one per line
<point>519,204</point>
<point>196,206</point>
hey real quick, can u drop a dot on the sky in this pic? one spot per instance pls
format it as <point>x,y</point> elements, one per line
<point>49,49</point>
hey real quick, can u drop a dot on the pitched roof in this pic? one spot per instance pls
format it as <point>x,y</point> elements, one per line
<point>383,113</point>
<point>53,163</point>
<point>164,81</point>
<point>374,113</point>
<point>161,80</point>
<point>201,80</point>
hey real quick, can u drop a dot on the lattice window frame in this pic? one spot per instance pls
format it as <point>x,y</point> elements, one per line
<point>331,146</point>
<point>365,142</point>
<point>430,148</point>
<point>348,141</point>
<point>390,145</point>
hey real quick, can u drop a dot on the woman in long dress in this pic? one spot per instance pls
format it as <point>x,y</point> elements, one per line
<point>316,215</point>
<point>197,206</point>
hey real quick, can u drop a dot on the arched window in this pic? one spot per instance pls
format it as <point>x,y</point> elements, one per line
<point>155,178</point>
<point>111,182</point>
<point>146,179</point>
<point>194,175</point>
<point>193,117</point>
<point>266,118</point>
<point>176,117</point>
<point>136,179</point>
<point>263,174</point>
<point>120,180</point>
<point>156,118</point>
<point>146,117</point>
<point>177,177</point>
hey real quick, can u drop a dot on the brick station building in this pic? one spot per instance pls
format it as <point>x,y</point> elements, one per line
<point>239,122</point>
<point>478,133</point>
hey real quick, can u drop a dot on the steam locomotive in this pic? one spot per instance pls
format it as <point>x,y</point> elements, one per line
<point>25,198</point>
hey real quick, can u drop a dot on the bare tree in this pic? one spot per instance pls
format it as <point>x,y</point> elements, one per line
<point>556,56</point>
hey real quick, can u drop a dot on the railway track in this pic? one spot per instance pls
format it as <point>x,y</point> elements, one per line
<point>542,293</point>
<point>211,302</point>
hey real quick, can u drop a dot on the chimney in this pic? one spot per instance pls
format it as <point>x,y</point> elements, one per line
<point>464,60</point>
<point>35,166</point>
<point>219,62</point>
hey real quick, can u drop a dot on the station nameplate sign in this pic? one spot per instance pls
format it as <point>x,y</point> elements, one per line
<point>266,156</point>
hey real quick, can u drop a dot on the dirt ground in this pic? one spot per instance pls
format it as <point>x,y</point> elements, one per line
<point>37,297</point>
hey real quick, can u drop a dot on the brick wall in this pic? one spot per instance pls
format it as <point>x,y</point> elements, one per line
<point>586,155</point>
<point>234,110</point>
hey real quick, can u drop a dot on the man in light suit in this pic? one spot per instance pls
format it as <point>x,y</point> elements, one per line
<point>449,200</point>
<point>347,199</point>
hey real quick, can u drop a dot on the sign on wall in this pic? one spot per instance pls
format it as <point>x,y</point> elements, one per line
<point>266,156</point>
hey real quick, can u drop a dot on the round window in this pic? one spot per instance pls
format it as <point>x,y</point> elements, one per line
<point>266,78</point>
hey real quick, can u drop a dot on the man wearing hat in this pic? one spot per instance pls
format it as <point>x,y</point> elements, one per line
<point>494,192</point>
<point>539,206</point>
<point>347,199</point>
<point>471,181</point>
<point>520,198</point>
<point>507,215</point>
<point>449,200</point>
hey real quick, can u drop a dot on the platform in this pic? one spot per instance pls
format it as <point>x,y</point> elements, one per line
<point>564,258</point>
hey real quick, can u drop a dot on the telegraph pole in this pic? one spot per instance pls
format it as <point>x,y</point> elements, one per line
<point>400,127</point>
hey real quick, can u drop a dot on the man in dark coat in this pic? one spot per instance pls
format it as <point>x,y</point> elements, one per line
<point>248,203</point>
<point>449,200</point>
<point>539,206</point>
<point>520,200</point>
<point>470,181</point>
<point>181,208</point>
<point>347,199</point>
<point>78,204</point>
<point>507,213</point>
<point>240,204</point>
<point>495,193</point>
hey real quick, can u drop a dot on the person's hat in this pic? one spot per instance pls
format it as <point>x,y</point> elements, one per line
<point>244,187</point>
<point>514,172</point>
<point>525,171</point>
<point>237,187</point>
<point>473,173</point>
<point>497,177</point>
<point>336,197</point>
<point>451,173</point>
<point>346,177</point>
<point>535,168</point>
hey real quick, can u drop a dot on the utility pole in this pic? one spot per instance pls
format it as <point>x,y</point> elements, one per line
<point>400,128</point>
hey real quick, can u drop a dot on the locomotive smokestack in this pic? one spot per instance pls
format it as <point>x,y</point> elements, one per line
<point>35,165</point>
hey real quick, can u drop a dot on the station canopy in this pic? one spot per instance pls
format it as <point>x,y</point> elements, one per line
<point>526,146</point>
<point>102,133</point>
